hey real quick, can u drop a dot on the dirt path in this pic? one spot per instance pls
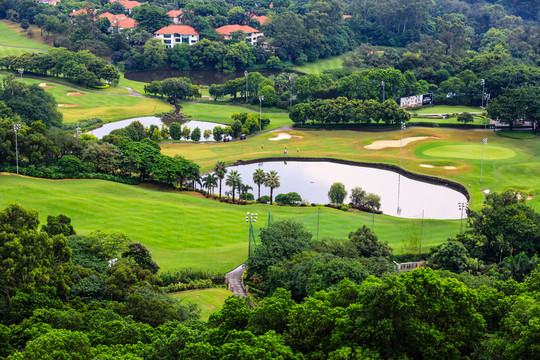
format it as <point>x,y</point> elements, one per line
<point>234,279</point>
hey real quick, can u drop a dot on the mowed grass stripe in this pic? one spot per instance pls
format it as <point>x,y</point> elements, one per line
<point>183,230</point>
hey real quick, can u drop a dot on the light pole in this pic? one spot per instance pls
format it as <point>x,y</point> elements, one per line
<point>246,74</point>
<point>483,87</point>
<point>78,129</point>
<point>17,127</point>
<point>484,142</point>
<point>383,94</point>
<point>250,217</point>
<point>261,98</point>
<point>20,72</point>
<point>290,94</point>
<point>462,206</point>
<point>403,127</point>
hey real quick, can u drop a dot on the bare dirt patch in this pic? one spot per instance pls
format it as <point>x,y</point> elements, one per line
<point>67,105</point>
<point>382,144</point>
<point>75,94</point>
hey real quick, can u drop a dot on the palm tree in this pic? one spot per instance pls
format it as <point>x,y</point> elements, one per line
<point>258,178</point>
<point>244,188</point>
<point>234,181</point>
<point>272,181</point>
<point>220,169</point>
<point>209,182</point>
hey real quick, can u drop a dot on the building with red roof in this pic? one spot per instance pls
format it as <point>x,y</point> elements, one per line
<point>176,16</point>
<point>262,19</point>
<point>347,16</point>
<point>177,34</point>
<point>112,17</point>
<point>119,22</point>
<point>128,4</point>
<point>78,12</point>
<point>251,34</point>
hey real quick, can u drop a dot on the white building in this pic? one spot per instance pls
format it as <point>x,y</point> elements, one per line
<point>177,34</point>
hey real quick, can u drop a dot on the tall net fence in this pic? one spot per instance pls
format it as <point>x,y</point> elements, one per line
<point>411,236</point>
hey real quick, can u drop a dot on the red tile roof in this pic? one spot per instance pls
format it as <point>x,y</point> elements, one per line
<point>228,29</point>
<point>127,23</point>
<point>177,29</point>
<point>128,4</point>
<point>175,13</point>
<point>347,16</point>
<point>262,19</point>
<point>112,18</point>
<point>78,12</point>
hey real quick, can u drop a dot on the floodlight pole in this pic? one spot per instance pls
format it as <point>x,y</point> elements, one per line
<point>383,92</point>
<point>246,76</point>
<point>484,142</point>
<point>290,94</point>
<point>483,87</point>
<point>403,127</point>
<point>250,217</point>
<point>261,98</point>
<point>20,72</point>
<point>461,207</point>
<point>17,127</point>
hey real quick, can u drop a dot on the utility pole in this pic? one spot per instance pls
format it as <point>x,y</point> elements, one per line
<point>17,127</point>
<point>246,76</point>
<point>484,142</point>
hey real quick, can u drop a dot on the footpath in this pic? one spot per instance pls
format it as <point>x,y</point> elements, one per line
<point>234,281</point>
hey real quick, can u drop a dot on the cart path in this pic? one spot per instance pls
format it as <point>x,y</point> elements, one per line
<point>234,280</point>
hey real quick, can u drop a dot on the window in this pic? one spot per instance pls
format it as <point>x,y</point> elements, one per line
<point>167,36</point>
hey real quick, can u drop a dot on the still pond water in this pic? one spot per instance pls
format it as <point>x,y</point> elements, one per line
<point>400,196</point>
<point>197,77</point>
<point>150,120</point>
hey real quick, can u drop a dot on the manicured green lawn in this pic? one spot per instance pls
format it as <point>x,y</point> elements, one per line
<point>8,50</point>
<point>184,230</point>
<point>10,37</point>
<point>317,67</point>
<point>210,300</point>
<point>107,107</point>
<point>508,163</point>
<point>447,109</point>
<point>222,114</point>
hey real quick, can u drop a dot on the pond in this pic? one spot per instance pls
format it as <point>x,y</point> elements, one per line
<point>400,195</point>
<point>150,120</point>
<point>197,77</point>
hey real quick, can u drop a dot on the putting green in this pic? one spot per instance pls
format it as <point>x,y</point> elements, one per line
<point>470,151</point>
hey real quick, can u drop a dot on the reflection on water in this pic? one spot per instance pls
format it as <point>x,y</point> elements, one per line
<point>151,120</point>
<point>312,180</point>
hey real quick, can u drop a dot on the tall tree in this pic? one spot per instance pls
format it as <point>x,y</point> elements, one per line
<point>272,181</point>
<point>259,177</point>
<point>234,181</point>
<point>220,169</point>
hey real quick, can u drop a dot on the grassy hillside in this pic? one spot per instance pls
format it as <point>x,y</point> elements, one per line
<point>11,35</point>
<point>183,230</point>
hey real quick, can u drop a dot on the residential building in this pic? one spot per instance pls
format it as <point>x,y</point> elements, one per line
<point>78,12</point>
<point>119,22</point>
<point>176,16</point>
<point>48,2</point>
<point>177,34</point>
<point>251,34</point>
<point>262,19</point>
<point>128,4</point>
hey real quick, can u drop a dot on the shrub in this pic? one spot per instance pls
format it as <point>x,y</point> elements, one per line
<point>264,199</point>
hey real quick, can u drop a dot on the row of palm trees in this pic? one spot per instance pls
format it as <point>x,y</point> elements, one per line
<point>270,180</point>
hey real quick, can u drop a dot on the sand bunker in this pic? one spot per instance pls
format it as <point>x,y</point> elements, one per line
<point>75,94</point>
<point>67,105</point>
<point>283,136</point>
<point>44,86</point>
<point>433,166</point>
<point>381,144</point>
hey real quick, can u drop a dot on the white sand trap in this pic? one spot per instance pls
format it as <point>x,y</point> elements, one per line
<point>433,166</point>
<point>487,191</point>
<point>381,144</point>
<point>75,94</point>
<point>44,86</point>
<point>67,105</point>
<point>284,136</point>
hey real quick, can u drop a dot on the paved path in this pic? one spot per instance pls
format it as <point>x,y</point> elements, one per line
<point>234,279</point>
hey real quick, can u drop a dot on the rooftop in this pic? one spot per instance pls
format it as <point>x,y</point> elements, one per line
<point>177,29</point>
<point>175,13</point>
<point>228,29</point>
